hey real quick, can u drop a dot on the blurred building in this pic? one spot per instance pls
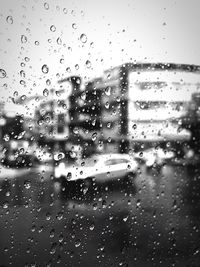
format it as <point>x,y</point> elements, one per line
<point>134,106</point>
<point>51,125</point>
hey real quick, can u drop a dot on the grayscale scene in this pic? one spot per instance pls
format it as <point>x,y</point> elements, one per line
<point>99,133</point>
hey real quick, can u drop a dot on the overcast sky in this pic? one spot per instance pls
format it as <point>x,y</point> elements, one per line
<point>85,37</point>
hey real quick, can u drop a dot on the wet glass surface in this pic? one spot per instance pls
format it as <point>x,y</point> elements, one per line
<point>155,223</point>
<point>99,133</point>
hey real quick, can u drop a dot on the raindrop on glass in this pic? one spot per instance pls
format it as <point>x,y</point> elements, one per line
<point>92,227</point>
<point>2,73</point>
<point>45,69</point>
<point>94,136</point>
<point>88,64</point>
<point>83,38</point>
<point>83,96</point>
<point>64,10</point>
<point>9,19</point>
<point>23,39</point>
<point>59,41</point>
<point>53,28</point>
<point>48,82</point>
<point>27,184</point>
<point>76,130</point>
<point>48,216</point>
<point>23,97</point>
<point>5,205</point>
<point>108,91</point>
<point>76,66</point>
<point>74,26</point>
<point>46,6</point>
<point>45,92</point>
<point>77,243</point>
<point>22,82</point>
<point>22,73</point>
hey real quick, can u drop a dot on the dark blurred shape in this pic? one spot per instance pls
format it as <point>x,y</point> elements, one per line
<point>20,161</point>
<point>13,126</point>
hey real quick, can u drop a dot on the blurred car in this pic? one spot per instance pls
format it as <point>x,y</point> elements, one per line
<point>99,168</point>
<point>19,161</point>
<point>155,156</point>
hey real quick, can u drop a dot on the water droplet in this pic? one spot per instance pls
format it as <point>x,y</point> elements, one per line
<point>61,238</point>
<point>141,154</point>
<point>5,205</point>
<point>45,69</point>
<point>23,39</point>
<point>108,125</point>
<point>174,205</point>
<point>9,19</point>
<point>2,73</point>
<point>107,105</point>
<point>108,91</point>
<point>48,82</point>
<point>138,204</point>
<point>109,139</point>
<point>94,122</point>
<point>125,218</point>
<point>83,38</point>
<point>72,154</point>
<point>74,26</point>
<point>45,92</point>
<point>27,184</point>
<point>8,193</point>
<point>134,126</point>
<point>64,10</point>
<point>62,60</point>
<point>83,96</point>
<point>95,206</point>
<point>5,249</point>
<point>92,227</point>
<point>52,233</point>
<point>59,41</point>
<point>59,215</point>
<point>23,97</point>
<point>53,248</point>
<point>104,204</point>
<point>76,130</point>
<point>15,94</point>
<point>27,59</point>
<point>77,243</point>
<point>22,73</point>
<point>48,216</point>
<point>6,137</point>
<point>61,156</point>
<point>88,64</point>
<point>76,66</point>
<point>46,6</point>
<point>52,28</point>
<point>94,136</point>
<point>22,82</point>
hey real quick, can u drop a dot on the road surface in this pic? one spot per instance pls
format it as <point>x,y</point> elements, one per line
<point>154,223</point>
